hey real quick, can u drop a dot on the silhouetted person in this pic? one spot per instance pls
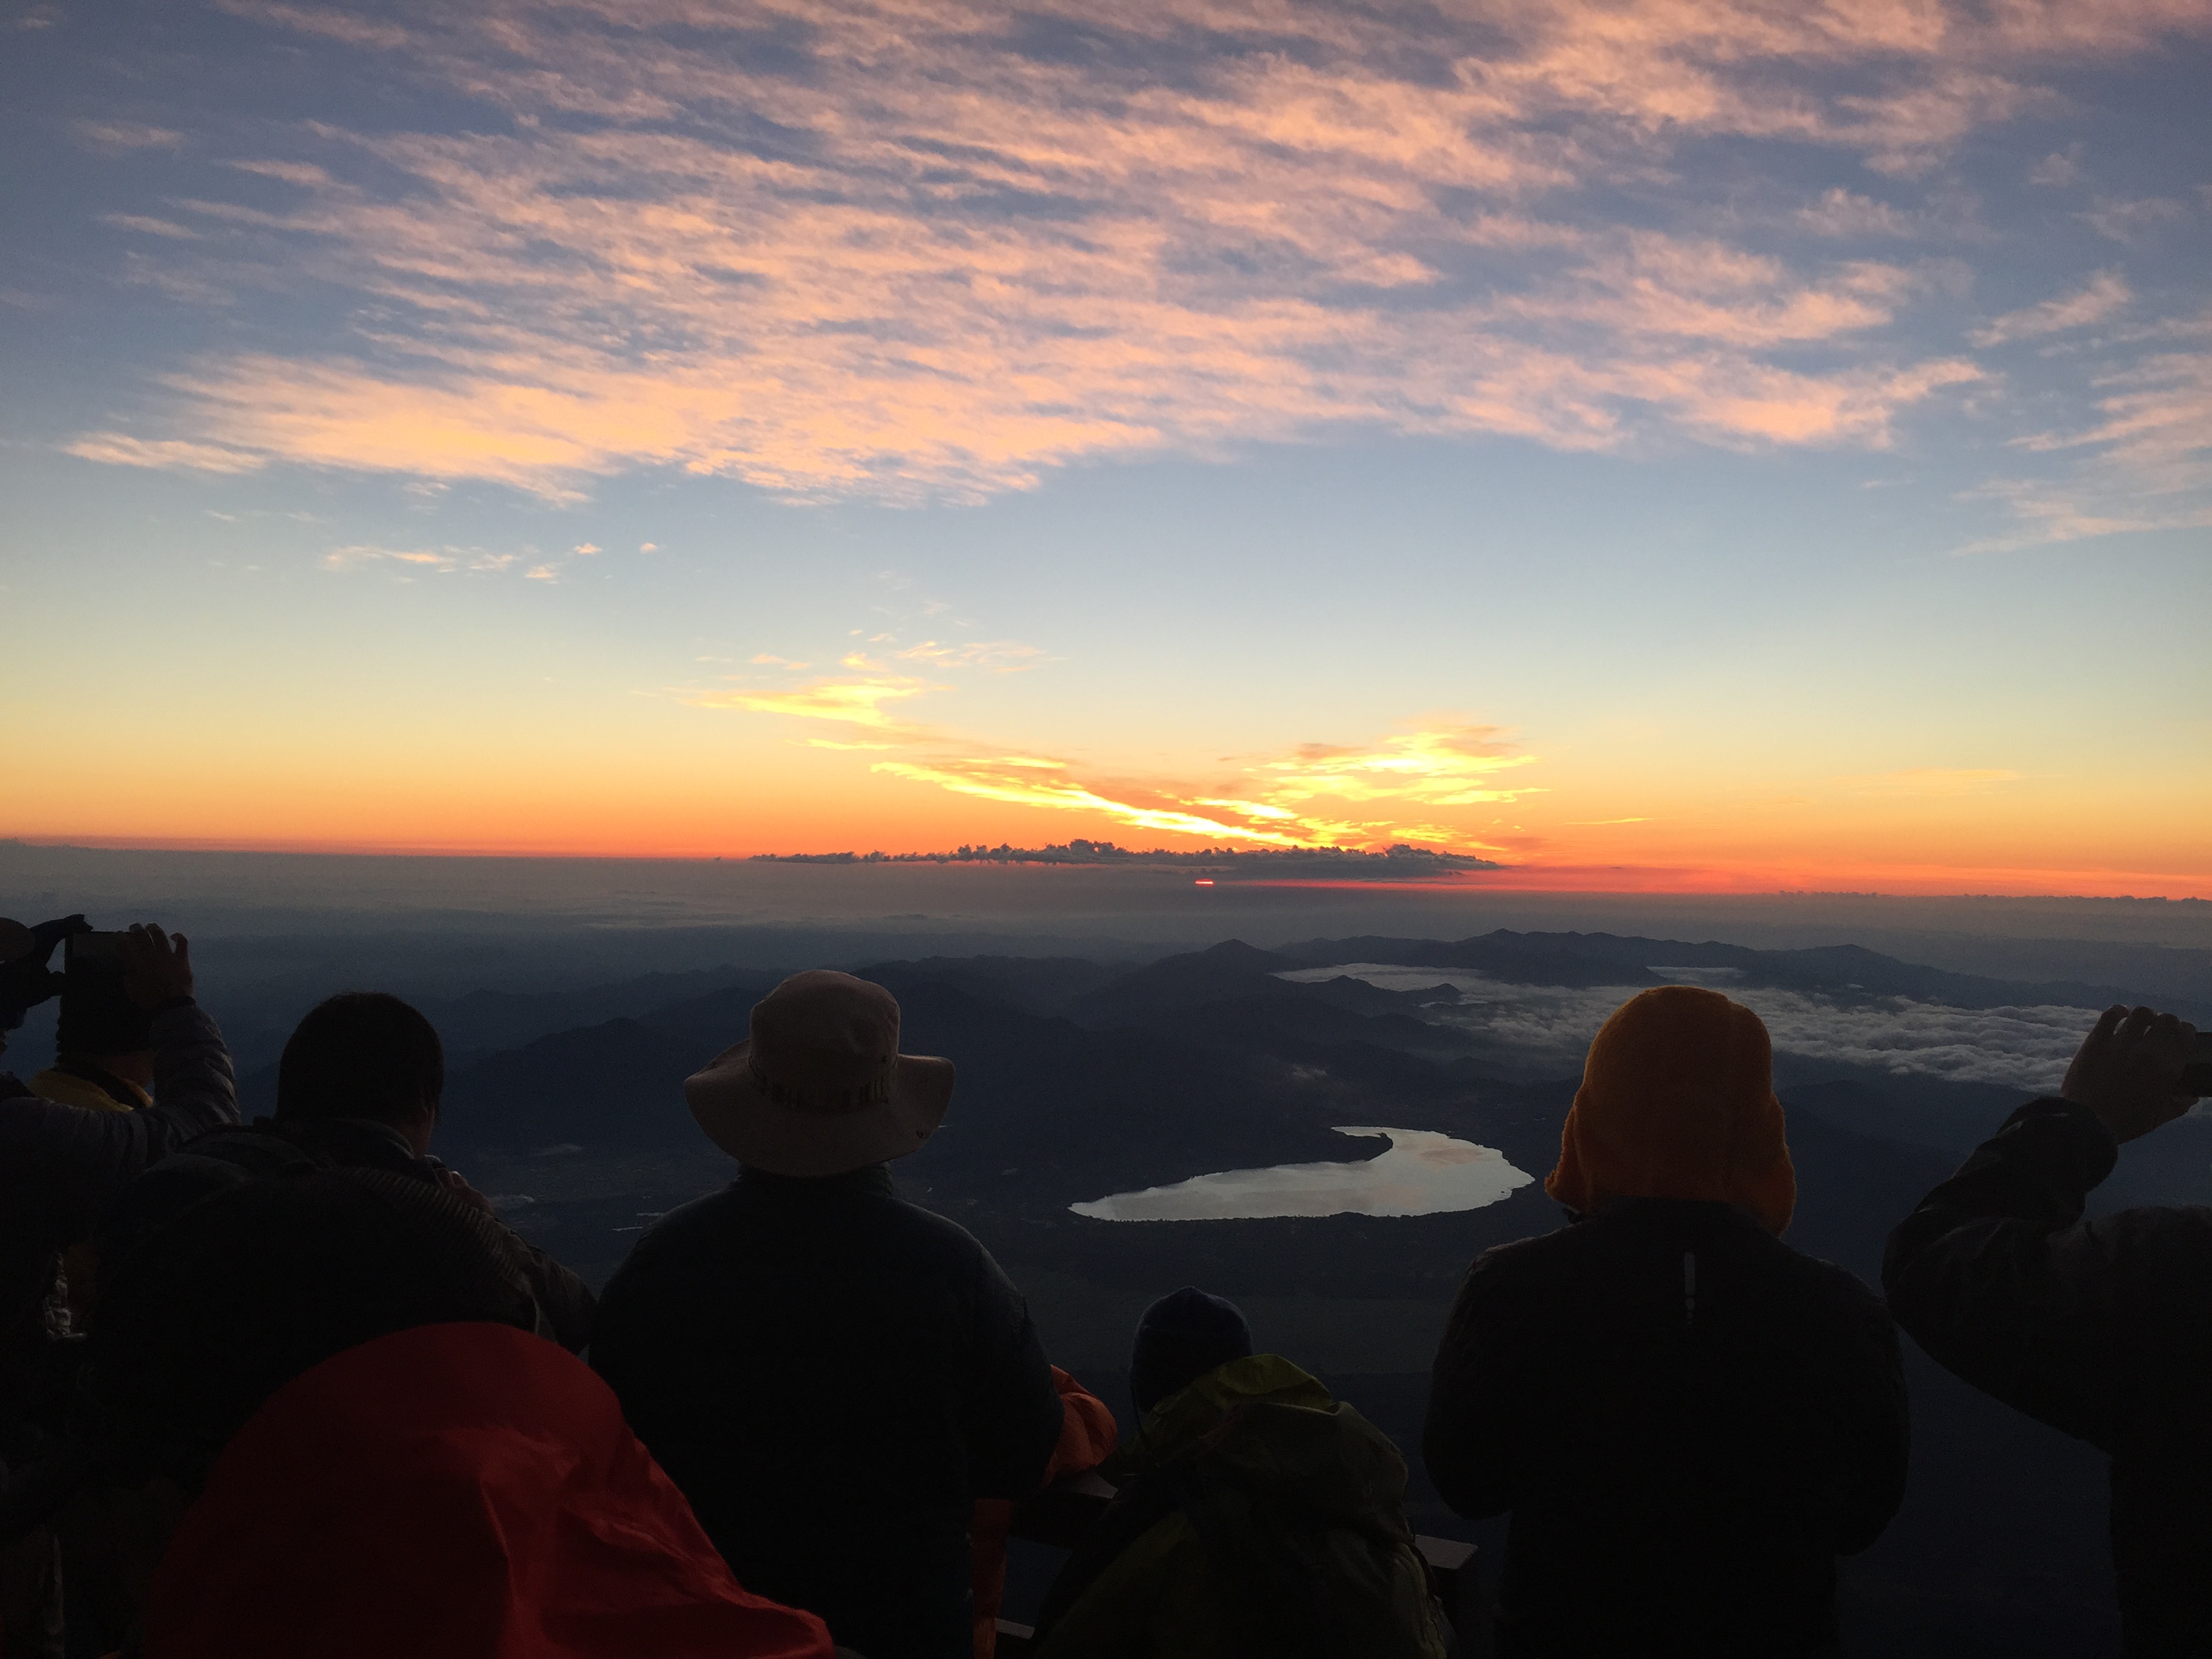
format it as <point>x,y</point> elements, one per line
<point>63,1161</point>
<point>1256,1515</point>
<point>2101,1329</point>
<point>358,1087</point>
<point>831,1374</point>
<point>1688,1421</point>
<point>324,1427</point>
<point>104,1046</point>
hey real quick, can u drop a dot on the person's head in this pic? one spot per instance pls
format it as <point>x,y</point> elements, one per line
<point>819,1087</point>
<point>1183,1335</point>
<point>364,1055</point>
<point>1677,1101</point>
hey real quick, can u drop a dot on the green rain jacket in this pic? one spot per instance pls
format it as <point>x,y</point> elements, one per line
<point>1255,1515</point>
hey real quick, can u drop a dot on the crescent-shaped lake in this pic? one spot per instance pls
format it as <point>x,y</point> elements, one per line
<point>1424,1173</point>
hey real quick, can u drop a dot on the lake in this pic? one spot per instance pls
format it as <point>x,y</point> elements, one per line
<point>1424,1173</point>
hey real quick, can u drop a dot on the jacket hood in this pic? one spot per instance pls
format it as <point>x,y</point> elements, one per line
<point>67,1089</point>
<point>451,1491</point>
<point>1273,1430</point>
<point>1677,1101</point>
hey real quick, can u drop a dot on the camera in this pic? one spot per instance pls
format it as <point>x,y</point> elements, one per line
<point>2196,1075</point>
<point>97,1015</point>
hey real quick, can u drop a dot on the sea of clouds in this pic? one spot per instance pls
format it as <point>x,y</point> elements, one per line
<point>2026,1047</point>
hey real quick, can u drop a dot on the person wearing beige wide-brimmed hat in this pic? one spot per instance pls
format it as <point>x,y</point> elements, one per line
<point>818,1086</point>
<point>832,1374</point>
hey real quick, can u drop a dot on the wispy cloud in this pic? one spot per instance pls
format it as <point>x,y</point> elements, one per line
<point>2145,465</point>
<point>331,22</point>
<point>2107,292</point>
<point>998,656</point>
<point>118,137</point>
<point>855,703</point>
<point>2058,170</point>
<point>1380,794</point>
<point>2137,221</point>
<point>931,253</point>
<point>476,559</point>
<point>172,454</point>
<point>146,225</point>
<point>1453,766</point>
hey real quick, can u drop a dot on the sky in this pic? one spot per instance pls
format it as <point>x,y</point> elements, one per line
<point>1653,445</point>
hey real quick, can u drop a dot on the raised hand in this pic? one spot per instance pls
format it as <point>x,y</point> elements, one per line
<point>157,967</point>
<point>2128,1070</point>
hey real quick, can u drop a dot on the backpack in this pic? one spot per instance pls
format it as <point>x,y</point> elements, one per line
<point>1299,1579</point>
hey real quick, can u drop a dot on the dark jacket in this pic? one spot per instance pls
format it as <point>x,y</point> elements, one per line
<point>61,1166</point>
<point>1256,1515</point>
<point>230,1156</point>
<point>833,1376</point>
<point>1689,1422</point>
<point>2100,1329</point>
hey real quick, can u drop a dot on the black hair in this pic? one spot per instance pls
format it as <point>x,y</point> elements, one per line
<point>363,1054</point>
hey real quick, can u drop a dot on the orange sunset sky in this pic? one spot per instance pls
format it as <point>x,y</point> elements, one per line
<point>1717,447</point>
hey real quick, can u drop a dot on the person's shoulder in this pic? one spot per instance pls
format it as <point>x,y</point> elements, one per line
<point>1503,1269</point>
<point>1814,1282</point>
<point>934,1242</point>
<point>688,1225</point>
<point>1541,1252</point>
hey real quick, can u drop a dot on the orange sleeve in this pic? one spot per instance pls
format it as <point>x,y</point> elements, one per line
<point>1087,1433</point>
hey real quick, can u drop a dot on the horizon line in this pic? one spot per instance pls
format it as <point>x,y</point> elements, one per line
<point>1578,880</point>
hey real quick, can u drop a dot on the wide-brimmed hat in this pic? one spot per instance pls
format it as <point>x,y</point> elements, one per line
<point>820,1087</point>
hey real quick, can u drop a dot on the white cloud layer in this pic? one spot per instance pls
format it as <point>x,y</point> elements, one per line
<point>2026,1047</point>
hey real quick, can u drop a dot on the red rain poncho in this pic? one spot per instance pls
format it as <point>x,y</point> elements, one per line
<point>452,1492</point>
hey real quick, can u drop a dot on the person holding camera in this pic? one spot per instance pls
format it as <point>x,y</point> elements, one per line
<point>2101,1329</point>
<point>140,1068</point>
<point>70,1143</point>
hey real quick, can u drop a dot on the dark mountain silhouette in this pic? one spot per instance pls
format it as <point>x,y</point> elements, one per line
<point>570,1088</point>
<point>1078,1079</point>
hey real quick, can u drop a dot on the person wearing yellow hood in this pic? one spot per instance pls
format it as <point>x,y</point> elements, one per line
<point>1254,1514</point>
<point>1686,1419</point>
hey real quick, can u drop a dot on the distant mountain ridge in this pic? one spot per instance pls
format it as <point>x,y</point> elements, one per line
<point>1078,1079</point>
<point>591,1082</point>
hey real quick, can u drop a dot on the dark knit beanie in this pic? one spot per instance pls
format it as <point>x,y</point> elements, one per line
<point>1183,1335</point>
